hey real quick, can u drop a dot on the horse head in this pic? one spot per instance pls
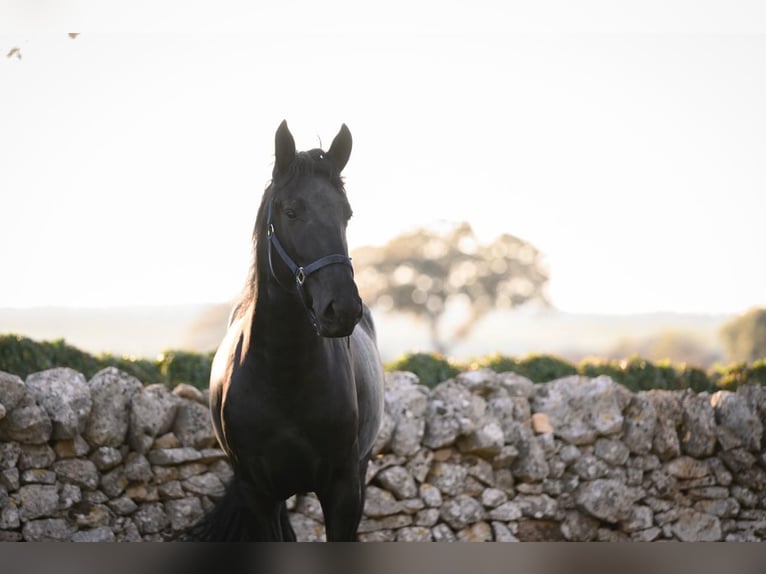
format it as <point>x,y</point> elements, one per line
<point>306,217</point>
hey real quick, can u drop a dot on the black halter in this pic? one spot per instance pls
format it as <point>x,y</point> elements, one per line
<point>300,272</point>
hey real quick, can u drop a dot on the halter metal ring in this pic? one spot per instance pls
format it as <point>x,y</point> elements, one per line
<point>300,276</point>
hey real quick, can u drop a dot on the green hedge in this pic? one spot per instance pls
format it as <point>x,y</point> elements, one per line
<point>635,373</point>
<point>22,356</point>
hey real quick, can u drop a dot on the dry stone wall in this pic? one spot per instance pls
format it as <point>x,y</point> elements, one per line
<point>481,457</point>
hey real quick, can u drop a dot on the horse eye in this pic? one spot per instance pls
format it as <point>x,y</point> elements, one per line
<point>290,213</point>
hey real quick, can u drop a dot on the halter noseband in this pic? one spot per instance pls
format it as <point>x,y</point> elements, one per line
<point>300,272</point>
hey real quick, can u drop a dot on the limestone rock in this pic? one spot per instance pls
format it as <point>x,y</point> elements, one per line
<point>581,409</point>
<point>151,518</point>
<point>47,530</point>
<point>405,402</point>
<point>65,396</point>
<point>379,502</point>
<point>448,477</point>
<point>190,392</point>
<point>693,526</point>
<point>98,534</point>
<point>487,440</point>
<point>152,413</point>
<point>9,454</point>
<point>398,481</point>
<point>193,425</point>
<point>640,424</point>
<point>666,443</point>
<point>82,473</point>
<point>385,433</point>
<point>414,534</point>
<point>27,423</point>
<point>738,424</point>
<point>12,390</point>
<point>579,527</point>
<point>111,391</point>
<point>184,513</point>
<point>698,428</point>
<point>605,499</point>
<point>452,411</point>
<point>461,511</point>
<point>37,500</point>
<point>207,484</point>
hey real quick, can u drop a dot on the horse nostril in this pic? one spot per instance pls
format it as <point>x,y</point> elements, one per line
<point>329,312</point>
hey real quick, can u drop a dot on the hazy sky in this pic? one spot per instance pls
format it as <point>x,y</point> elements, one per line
<point>628,145</point>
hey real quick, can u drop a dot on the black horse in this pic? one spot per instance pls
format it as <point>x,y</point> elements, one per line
<point>296,389</point>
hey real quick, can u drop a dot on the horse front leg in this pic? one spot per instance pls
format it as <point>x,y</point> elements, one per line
<point>342,502</point>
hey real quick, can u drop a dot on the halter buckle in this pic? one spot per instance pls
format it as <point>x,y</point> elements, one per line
<point>270,230</point>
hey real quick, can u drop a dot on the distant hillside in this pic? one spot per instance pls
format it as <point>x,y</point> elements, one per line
<point>146,331</point>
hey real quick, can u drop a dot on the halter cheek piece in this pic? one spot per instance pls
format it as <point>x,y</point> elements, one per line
<point>300,272</point>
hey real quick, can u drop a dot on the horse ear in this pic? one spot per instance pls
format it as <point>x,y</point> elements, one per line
<point>284,148</point>
<point>340,150</point>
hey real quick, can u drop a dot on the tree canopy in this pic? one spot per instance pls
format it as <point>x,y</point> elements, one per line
<point>744,337</point>
<point>427,273</point>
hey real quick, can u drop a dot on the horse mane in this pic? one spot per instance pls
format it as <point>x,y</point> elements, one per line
<point>312,162</point>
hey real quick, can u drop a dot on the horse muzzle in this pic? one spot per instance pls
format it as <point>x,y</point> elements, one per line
<point>338,317</point>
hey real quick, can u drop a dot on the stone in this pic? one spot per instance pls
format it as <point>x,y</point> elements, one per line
<point>539,531</point>
<point>379,502</point>
<point>167,440</point>
<point>152,413</point>
<point>452,411</point>
<point>481,470</point>
<point>398,481</point>
<point>698,428</point>
<point>447,477</point>
<point>88,515</point>
<point>506,512</point>
<point>173,456</point>
<point>738,424</point>
<point>9,454</point>
<point>36,456</point>
<point>693,526</point>
<point>536,505</point>
<point>385,433</point>
<point>173,489</point>
<point>114,482</point>
<point>611,451</point>
<point>10,479</point>
<point>493,497</point>
<point>541,424</point>
<point>106,457</point>
<point>510,412</point>
<point>82,473</point>
<point>123,506</point>
<point>478,532</point>
<point>531,464</point>
<point>37,500</point>
<point>744,496</point>
<point>516,385</point>
<point>414,534</point>
<point>419,464</point>
<point>184,513</point>
<point>461,511</point>
<point>405,401</point>
<point>431,495</point>
<point>151,518</point>
<point>309,505</point>
<point>137,468</point>
<point>47,530</point>
<point>193,426</point>
<point>686,468</point>
<point>190,392</point>
<point>581,409</point>
<point>385,523</point>
<point>722,507</point>
<point>641,518</point>
<point>12,390</point>
<point>71,447</point>
<point>737,460</point>
<point>98,534</point>
<point>426,517</point>
<point>479,381</point>
<point>111,392</point>
<point>65,396</point>
<point>9,513</point>
<point>307,529</point>
<point>442,533</point>
<point>27,423</point>
<point>665,443</point>
<point>207,484</point>
<point>640,425</point>
<point>378,536</point>
<point>69,495</point>
<point>605,499</point>
<point>486,441</point>
<point>570,453</point>
<point>588,467</point>
<point>501,533</point>
<point>648,535</point>
<point>37,476</point>
<point>579,527</point>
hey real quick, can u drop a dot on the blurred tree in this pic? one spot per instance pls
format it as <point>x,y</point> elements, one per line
<point>671,345</point>
<point>432,273</point>
<point>744,337</point>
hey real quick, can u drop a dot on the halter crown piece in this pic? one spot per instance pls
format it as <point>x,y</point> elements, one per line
<point>300,272</point>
